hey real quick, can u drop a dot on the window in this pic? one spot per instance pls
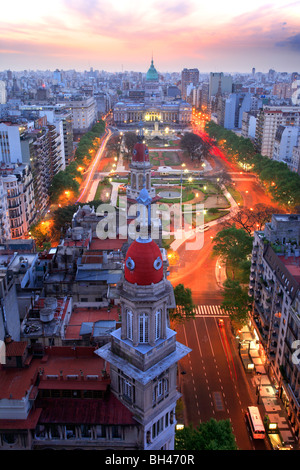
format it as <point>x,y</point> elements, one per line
<point>143,328</point>
<point>127,389</point>
<point>157,324</point>
<point>101,431</point>
<point>129,324</point>
<point>160,390</point>
<point>116,432</point>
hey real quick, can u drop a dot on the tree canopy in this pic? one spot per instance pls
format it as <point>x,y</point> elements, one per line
<point>194,145</point>
<point>184,302</point>
<point>236,302</point>
<point>282,184</point>
<point>233,244</point>
<point>212,435</point>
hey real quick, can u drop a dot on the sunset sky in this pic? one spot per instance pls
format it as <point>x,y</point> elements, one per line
<point>112,35</point>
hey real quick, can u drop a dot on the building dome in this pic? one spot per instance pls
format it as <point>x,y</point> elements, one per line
<point>143,263</point>
<point>140,153</point>
<point>152,73</point>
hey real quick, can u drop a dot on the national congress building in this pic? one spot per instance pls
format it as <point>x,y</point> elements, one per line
<point>154,107</point>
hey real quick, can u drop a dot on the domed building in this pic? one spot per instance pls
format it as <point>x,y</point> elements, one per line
<point>153,91</point>
<point>143,353</point>
<point>153,108</point>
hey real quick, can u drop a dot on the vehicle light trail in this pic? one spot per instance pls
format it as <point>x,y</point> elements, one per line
<point>95,163</point>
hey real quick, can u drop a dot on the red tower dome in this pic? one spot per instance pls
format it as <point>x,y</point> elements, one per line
<point>140,153</point>
<point>143,263</point>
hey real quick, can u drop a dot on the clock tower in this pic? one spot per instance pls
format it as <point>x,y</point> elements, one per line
<point>143,353</point>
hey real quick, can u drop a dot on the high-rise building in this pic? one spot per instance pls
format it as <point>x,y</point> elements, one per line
<point>188,76</point>
<point>235,105</point>
<point>3,93</point>
<point>268,121</point>
<point>219,81</point>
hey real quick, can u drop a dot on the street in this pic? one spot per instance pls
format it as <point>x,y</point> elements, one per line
<point>212,379</point>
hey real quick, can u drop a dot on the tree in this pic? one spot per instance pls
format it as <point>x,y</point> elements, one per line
<point>212,435</point>
<point>236,302</point>
<point>194,145</point>
<point>184,302</point>
<point>130,139</point>
<point>234,245</point>
<point>61,182</point>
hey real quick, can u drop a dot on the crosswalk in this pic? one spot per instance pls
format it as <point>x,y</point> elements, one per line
<point>209,311</point>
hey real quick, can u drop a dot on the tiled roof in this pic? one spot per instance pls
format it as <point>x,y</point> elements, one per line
<point>16,348</point>
<point>85,411</point>
<point>29,423</point>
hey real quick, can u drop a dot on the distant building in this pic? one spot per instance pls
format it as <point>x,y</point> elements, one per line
<point>188,76</point>
<point>268,121</point>
<point>84,113</point>
<point>3,94</point>
<point>235,105</point>
<point>153,107</point>
<point>219,79</point>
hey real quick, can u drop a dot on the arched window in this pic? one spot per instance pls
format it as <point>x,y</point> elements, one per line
<point>129,324</point>
<point>143,328</point>
<point>157,324</point>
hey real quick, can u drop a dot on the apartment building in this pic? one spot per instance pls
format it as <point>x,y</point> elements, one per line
<point>84,113</point>
<point>275,287</point>
<point>268,121</point>
<point>38,145</point>
<point>286,139</point>
<point>4,219</point>
<point>17,180</point>
<point>295,164</point>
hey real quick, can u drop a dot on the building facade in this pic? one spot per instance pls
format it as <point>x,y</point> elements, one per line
<point>153,108</point>
<point>275,287</point>
<point>17,182</point>
<point>268,121</point>
<point>84,113</point>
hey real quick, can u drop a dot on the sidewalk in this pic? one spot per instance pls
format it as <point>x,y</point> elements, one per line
<point>265,392</point>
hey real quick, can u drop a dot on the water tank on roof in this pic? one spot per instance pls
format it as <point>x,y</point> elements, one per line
<point>46,314</point>
<point>48,311</point>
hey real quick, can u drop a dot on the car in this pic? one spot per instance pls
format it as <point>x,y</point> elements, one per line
<point>220,322</point>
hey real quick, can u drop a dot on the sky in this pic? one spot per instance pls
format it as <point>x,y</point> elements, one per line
<point>115,35</point>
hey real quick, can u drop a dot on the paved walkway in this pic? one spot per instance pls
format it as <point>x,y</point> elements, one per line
<point>264,391</point>
<point>184,236</point>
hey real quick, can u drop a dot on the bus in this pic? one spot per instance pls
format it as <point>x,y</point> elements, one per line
<point>255,422</point>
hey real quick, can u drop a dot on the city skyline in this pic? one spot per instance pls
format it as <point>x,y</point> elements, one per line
<point>115,35</point>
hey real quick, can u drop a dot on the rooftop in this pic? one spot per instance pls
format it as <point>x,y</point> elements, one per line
<point>82,316</point>
<point>60,365</point>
